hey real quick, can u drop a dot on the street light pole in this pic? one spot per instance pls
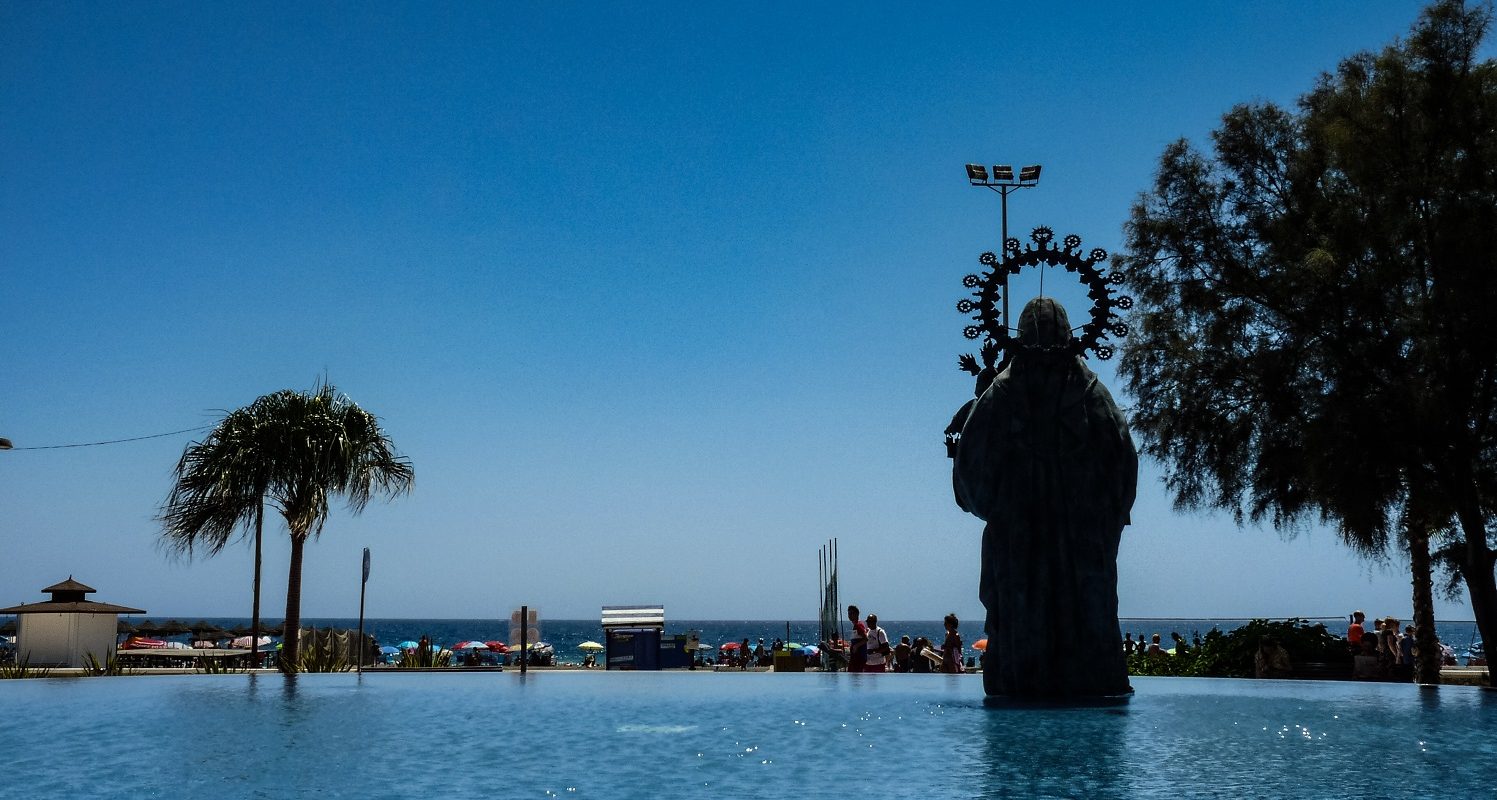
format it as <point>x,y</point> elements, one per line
<point>1003,182</point>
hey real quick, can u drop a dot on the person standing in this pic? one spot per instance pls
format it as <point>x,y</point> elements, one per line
<point>857,649</point>
<point>1355,631</point>
<point>878,650</point>
<point>951,648</point>
<point>1406,655</point>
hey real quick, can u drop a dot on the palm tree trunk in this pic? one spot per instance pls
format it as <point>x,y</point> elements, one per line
<point>255,608</point>
<point>1427,662</point>
<point>1481,583</point>
<point>290,639</point>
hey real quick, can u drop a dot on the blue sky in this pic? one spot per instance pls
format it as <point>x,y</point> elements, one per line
<point>656,298</point>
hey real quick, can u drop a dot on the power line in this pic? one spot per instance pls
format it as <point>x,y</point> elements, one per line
<point>115,441</point>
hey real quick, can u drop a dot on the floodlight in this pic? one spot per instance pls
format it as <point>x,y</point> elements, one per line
<point>1029,174</point>
<point>1003,172</point>
<point>977,173</point>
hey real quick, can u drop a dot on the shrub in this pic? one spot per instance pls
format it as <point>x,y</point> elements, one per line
<point>1230,655</point>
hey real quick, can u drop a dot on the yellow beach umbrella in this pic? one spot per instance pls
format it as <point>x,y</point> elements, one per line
<point>590,646</point>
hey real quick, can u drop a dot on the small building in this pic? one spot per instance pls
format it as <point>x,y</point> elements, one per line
<point>631,636</point>
<point>64,631</point>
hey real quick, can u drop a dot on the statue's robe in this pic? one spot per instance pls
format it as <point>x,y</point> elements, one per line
<point>1046,460</point>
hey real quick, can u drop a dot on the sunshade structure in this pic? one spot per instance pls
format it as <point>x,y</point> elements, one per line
<point>268,630</point>
<point>169,628</point>
<point>980,644</point>
<point>590,647</point>
<point>470,645</point>
<point>203,629</point>
<point>498,647</point>
<point>244,642</point>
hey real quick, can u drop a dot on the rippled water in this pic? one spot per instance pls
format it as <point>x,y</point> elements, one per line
<point>626,735</point>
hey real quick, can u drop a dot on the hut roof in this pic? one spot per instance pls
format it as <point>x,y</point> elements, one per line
<point>70,585</point>
<point>67,598</point>
<point>74,607</point>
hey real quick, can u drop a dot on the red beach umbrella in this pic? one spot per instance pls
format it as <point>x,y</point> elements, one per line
<point>498,647</point>
<point>980,644</point>
<point>730,646</point>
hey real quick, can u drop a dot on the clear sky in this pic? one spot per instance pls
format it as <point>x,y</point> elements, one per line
<point>656,298</point>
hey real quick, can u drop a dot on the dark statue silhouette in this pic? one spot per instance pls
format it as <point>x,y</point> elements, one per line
<point>1044,457</point>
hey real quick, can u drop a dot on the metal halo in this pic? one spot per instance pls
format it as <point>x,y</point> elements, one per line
<point>985,309</point>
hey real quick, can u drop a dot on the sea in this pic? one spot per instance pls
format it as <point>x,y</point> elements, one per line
<point>566,634</point>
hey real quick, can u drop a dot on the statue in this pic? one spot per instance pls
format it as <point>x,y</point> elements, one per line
<point>1044,457</point>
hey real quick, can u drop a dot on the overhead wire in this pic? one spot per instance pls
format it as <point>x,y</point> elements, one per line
<point>114,441</point>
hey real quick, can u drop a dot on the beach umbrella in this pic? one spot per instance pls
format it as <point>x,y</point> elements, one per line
<point>388,650</point>
<point>980,644</point>
<point>8,628</point>
<point>172,627</point>
<point>408,645</point>
<point>793,645</point>
<point>498,647</point>
<point>147,628</point>
<point>590,646</point>
<point>729,646</point>
<point>807,650</point>
<point>470,645</point>
<point>203,629</point>
<point>703,646</point>
<point>244,642</point>
<point>265,629</point>
<point>123,626</point>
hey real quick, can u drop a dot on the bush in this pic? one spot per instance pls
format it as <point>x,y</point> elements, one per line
<point>23,669</point>
<point>1230,655</point>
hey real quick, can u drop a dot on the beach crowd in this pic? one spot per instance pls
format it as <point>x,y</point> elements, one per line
<point>872,650</point>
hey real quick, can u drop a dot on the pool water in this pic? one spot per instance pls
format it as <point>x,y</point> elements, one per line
<point>646,735</point>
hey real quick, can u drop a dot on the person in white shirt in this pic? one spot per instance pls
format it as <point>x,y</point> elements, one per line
<point>878,646</point>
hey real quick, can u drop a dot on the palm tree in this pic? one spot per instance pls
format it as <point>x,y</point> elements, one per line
<point>220,486</point>
<point>327,445</point>
<point>305,447</point>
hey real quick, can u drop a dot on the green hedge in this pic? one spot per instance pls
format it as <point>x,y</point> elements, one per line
<point>1230,655</point>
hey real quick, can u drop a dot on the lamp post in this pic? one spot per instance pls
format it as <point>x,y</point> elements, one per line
<point>1003,182</point>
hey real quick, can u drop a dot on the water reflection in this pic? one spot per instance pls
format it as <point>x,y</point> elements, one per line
<point>1052,751</point>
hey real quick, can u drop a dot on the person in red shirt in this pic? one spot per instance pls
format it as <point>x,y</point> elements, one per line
<point>1355,631</point>
<point>857,649</point>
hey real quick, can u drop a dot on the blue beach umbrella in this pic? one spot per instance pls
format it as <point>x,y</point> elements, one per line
<point>408,645</point>
<point>389,651</point>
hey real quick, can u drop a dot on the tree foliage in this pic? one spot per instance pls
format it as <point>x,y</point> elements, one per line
<point>298,450</point>
<point>1231,655</point>
<point>1314,334</point>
